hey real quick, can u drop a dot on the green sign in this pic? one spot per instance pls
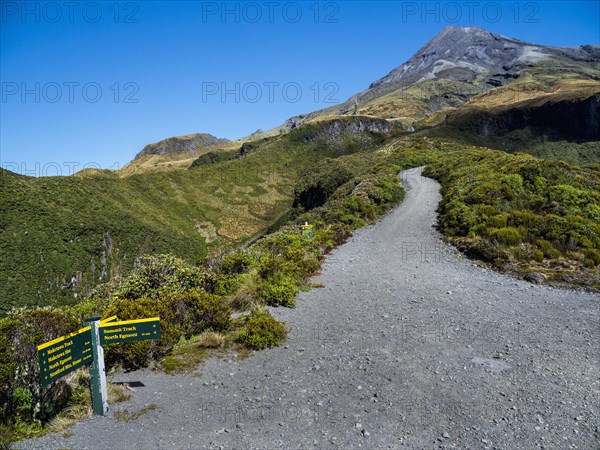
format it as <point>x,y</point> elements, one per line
<point>129,330</point>
<point>64,354</point>
<point>307,230</point>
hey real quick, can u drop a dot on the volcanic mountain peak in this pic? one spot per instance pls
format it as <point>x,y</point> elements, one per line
<point>462,54</point>
<point>473,54</point>
<point>455,65</point>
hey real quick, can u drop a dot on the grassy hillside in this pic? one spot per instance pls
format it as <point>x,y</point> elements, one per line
<point>61,236</point>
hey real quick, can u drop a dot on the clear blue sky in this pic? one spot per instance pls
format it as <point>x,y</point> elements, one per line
<point>91,84</point>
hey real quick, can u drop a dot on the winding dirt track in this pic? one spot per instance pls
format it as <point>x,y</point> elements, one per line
<point>407,345</point>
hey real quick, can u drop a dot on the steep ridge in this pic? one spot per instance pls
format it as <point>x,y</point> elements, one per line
<point>559,122</point>
<point>576,119</point>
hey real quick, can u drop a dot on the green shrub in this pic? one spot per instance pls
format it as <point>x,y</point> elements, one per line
<point>458,219</point>
<point>287,252</point>
<point>206,311</point>
<point>592,210</point>
<point>547,249</point>
<point>361,208</point>
<point>341,232</point>
<point>236,262</point>
<point>525,218</point>
<point>487,211</point>
<point>508,235</point>
<point>262,330</point>
<point>568,196</point>
<point>379,188</point>
<point>498,221</point>
<point>592,257</point>
<point>228,284</point>
<point>278,290</point>
<point>537,255</point>
<point>163,273</point>
<point>514,181</point>
<point>22,399</point>
<point>555,228</point>
<point>486,192</point>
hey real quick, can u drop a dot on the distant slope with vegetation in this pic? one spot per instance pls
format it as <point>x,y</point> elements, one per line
<point>174,153</point>
<point>63,235</point>
<point>189,143</point>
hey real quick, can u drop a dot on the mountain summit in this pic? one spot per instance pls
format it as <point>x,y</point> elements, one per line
<point>475,55</point>
<point>457,64</point>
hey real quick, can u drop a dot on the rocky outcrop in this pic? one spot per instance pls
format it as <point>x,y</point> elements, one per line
<point>337,130</point>
<point>190,143</point>
<point>576,119</point>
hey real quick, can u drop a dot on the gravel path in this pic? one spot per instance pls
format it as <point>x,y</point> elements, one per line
<point>407,345</point>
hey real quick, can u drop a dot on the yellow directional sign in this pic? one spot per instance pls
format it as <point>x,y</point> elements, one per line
<point>129,330</point>
<point>307,230</point>
<point>64,354</point>
<point>109,319</point>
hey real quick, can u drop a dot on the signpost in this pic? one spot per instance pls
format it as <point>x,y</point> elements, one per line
<point>129,330</point>
<point>97,370</point>
<point>63,355</point>
<point>307,230</point>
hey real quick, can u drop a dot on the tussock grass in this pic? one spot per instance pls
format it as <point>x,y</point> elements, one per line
<point>244,298</point>
<point>69,417</point>
<point>117,393</point>
<point>211,339</point>
<point>123,415</point>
